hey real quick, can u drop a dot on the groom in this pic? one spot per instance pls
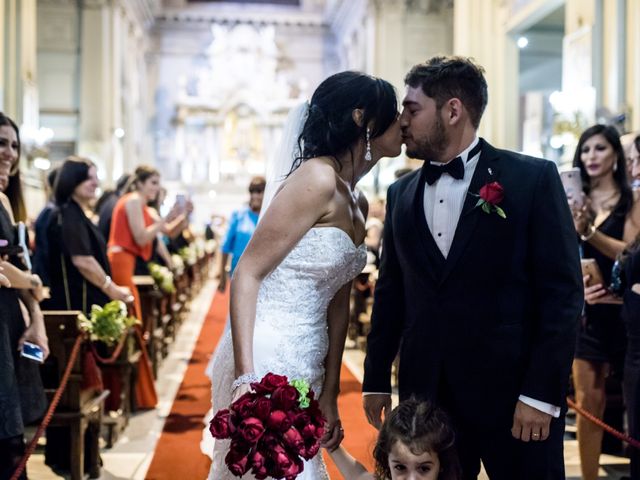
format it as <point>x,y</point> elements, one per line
<point>480,287</point>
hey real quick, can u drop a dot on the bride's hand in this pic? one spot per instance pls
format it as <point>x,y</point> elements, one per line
<point>334,434</point>
<point>241,390</point>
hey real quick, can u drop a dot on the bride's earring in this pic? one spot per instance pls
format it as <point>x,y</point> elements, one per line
<point>367,155</point>
<point>615,167</point>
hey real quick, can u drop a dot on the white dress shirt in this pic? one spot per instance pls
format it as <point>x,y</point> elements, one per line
<point>443,202</point>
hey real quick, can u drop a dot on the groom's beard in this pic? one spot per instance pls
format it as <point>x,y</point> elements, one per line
<point>432,146</point>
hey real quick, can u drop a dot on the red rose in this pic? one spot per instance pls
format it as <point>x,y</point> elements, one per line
<point>293,440</point>
<point>244,405</point>
<point>299,418</point>
<point>279,421</point>
<point>251,429</point>
<point>237,462</point>
<point>269,383</point>
<point>221,425</point>
<point>310,431</point>
<point>492,193</point>
<point>262,408</point>
<point>282,461</point>
<point>285,397</point>
<point>287,467</point>
<point>257,460</point>
<point>269,440</point>
<point>311,450</point>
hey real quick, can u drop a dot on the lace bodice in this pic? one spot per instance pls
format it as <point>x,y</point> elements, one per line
<point>309,277</point>
<point>290,333</point>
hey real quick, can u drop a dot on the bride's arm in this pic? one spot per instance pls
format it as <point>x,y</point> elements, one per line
<point>300,203</point>
<point>338,323</point>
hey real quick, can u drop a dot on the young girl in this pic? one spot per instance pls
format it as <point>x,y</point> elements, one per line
<point>416,442</point>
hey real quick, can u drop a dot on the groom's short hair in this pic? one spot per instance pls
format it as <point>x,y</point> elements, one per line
<point>445,77</point>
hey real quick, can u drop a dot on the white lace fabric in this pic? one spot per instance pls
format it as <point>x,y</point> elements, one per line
<point>290,335</point>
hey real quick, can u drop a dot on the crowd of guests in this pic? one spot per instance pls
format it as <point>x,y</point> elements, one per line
<point>86,250</point>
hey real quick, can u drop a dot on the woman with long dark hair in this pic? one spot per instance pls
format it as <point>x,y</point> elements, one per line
<point>22,398</point>
<point>290,290</point>
<point>608,221</point>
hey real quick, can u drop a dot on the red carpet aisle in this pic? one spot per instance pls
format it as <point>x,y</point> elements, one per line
<point>178,455</point>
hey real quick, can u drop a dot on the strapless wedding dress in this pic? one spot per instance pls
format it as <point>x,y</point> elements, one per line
<point>291,336</point>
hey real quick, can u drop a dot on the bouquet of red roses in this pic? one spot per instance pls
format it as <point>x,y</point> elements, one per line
<point>271,429</point>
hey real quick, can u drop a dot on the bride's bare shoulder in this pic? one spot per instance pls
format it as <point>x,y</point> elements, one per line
<point>316,173</point>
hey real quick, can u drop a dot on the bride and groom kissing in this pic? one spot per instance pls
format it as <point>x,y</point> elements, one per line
<point>479,289</point>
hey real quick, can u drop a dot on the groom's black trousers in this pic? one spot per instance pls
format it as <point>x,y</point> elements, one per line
<point>489,440</point>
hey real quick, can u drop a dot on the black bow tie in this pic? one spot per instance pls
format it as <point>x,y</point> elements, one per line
<point>455,168</point>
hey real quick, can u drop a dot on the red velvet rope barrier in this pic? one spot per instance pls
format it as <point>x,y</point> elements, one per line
<point>54,403</point>
<point>592,418</point>
<point>116,353</point>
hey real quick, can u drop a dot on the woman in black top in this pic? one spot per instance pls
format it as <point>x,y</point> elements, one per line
<point>79,269</point>
<point>22,399</point>
<point>609,220</point>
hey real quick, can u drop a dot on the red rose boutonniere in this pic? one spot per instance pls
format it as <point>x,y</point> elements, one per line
<point>491,195</point>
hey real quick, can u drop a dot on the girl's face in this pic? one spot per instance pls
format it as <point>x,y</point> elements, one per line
<point>86,191</point>
<point>150,188</point>
<point>598,157</point>
<point>406,465</point>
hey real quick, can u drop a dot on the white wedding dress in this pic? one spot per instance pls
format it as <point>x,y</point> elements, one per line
<point>291,336</point>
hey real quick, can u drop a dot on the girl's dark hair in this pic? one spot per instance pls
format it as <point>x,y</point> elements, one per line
<point>73,172</point>
<point>330,129</point>
<point>422,427</point>
<point>611,135</point>
<point>14,188</point>
<point>141,174</point>
<point>636,143</point>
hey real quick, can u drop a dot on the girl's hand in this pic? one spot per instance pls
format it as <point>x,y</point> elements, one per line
<point>334,434</point>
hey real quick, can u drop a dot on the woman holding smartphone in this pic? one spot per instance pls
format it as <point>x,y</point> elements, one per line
<point>607,221</point>
<point>22,398</point>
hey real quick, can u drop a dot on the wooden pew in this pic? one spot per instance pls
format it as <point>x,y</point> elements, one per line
<point>80,410</point>
<point>152,326</point>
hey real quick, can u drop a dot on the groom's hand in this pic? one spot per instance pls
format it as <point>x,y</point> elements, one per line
<point>530,423</point>
<point>374,404</point>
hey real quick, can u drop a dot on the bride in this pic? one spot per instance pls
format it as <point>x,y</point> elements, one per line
<point>290,290</point>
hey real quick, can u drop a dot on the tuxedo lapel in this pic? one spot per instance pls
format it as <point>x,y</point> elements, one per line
<point>485,172</point>
<point>427,250</point>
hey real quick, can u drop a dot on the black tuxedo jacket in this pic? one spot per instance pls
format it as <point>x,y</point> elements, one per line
<point>497,318</point>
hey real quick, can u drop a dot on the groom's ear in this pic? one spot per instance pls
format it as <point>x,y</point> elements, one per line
<point>453,110</point>
<point>357,115</point>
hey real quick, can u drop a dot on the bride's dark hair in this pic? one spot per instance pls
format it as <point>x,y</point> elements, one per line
<point>330,129</point>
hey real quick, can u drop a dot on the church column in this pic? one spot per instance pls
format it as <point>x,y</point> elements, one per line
<point>96,90</point>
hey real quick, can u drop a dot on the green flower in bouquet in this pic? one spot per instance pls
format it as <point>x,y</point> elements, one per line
<point>107,323</point>
<point>163,277</point>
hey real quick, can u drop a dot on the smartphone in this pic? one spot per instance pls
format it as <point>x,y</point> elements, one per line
<point>10,250</point>
<point>572,183</point>
<point>590,267</point>
<point>32,351</point>
<point>181,200</point>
